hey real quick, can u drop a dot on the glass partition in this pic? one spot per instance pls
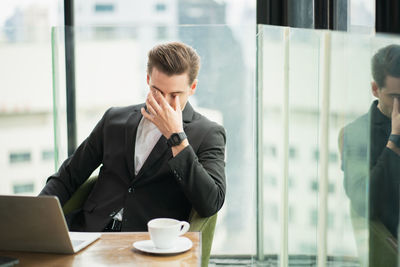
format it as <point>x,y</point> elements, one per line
<point>272,65</point>
<point>350,97</point>
<point>303,141</point>
<point>329,172</point>
<point>26,121</point>
<point>290,125</point>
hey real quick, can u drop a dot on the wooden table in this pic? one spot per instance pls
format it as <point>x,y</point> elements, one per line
<point>113,249</point>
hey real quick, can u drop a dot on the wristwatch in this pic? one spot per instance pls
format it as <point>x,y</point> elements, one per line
<point>176,139</point>
<point>395,138</point>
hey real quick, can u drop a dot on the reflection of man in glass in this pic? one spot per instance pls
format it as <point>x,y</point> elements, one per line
<point>371,146</point>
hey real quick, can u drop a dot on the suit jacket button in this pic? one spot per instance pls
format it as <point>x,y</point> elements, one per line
<point>130,190</point>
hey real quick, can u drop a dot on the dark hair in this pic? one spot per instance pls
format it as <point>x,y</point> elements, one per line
<point>173,59</point>
<point>386,62</point>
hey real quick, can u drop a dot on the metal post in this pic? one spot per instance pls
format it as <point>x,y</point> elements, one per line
<point>323,14</point>
<point>55,76</point>
<point>259,146</point>
<point>284,221</point>
<point>70,74</point>
<point>324,88</point>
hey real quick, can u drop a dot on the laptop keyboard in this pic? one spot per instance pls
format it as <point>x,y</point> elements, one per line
<point>80,239</point>
<point>76,242</point>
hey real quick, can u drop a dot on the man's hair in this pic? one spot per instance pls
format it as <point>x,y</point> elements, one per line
<point>386,62</point>
<point>174,58</point>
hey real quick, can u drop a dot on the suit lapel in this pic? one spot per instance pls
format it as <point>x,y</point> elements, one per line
<point>187,114</point>
<point>155,155</point>
<point>130,137</point>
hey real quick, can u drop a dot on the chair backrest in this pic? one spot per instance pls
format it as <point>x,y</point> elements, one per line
<point>376,245</point>
<point>205,225</point>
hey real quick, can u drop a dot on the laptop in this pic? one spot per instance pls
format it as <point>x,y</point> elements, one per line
<point>37,224</point>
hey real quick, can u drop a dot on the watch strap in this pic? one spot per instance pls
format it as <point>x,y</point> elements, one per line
<point>395,138</point>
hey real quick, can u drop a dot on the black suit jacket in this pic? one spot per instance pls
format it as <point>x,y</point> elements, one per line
<point>371,170</point>
<point>166,186</point>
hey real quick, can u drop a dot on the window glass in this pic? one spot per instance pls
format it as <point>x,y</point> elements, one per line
<point>361,16</point>
<point>18,157</point>
<point>48,155</point>
<point>104,7</point>
<point>23,188</point>
<point>160,7</point>
<point>301,13</point>
<point>26,106</point>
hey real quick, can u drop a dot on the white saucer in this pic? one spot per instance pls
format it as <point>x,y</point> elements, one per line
<point>182,244</point>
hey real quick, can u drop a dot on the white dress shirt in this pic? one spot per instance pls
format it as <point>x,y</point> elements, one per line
<point>147,136</point>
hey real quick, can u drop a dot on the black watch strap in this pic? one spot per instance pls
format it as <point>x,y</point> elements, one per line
<point>395,138</point>
<point>176,139</point>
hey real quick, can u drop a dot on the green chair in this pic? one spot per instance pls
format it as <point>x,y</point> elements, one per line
<point>375,244</point>
<point>205,225</point>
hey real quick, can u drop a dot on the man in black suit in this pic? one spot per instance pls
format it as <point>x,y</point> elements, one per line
<point>158,159</point>
<point>371,146</point>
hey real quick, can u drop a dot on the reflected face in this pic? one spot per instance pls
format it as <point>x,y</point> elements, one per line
<point>387,94</point>
<point>172,86</point>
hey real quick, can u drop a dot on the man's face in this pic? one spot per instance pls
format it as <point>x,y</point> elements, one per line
<point>171,87</point>
<point>387,94</point>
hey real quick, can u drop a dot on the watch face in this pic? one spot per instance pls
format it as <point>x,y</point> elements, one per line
<point>176,138</point>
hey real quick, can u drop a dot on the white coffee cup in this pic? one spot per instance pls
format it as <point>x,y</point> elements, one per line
<point>164,232</point>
